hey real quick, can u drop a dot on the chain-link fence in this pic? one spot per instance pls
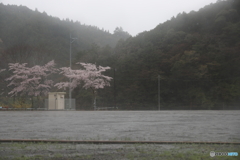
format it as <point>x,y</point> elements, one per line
<point>70,104</point>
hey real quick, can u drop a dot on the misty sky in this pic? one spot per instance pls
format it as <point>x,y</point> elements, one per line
<point>134,16</point>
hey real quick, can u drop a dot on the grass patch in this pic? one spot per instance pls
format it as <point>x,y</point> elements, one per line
<point>39,151</point>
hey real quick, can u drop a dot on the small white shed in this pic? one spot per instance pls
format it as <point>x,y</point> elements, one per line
<point>56,100</point>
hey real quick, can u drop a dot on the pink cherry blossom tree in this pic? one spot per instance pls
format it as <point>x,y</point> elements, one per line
<point>90,77</point>
<point>1,70</point>
<point>30,81</point>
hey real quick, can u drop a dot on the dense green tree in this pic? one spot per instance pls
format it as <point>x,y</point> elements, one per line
<point>118,32</point>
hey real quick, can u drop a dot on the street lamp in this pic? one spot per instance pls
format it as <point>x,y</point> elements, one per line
<point>114,86</point>
<point>159,92</point>
<point>70,93</point>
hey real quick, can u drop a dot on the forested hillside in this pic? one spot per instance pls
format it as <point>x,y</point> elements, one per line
<point>196,54</point>
<point>25,31</point>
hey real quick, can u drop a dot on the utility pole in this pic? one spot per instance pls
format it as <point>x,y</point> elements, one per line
<point>114,87</point>
<point>159,92</point>
<point>70,93</point>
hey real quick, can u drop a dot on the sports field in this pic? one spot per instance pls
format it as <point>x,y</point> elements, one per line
<point>187,126</point>
<point>216,126</point>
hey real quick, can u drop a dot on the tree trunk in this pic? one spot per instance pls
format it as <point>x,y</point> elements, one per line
<point>32,102</point>
<point>95,99</point>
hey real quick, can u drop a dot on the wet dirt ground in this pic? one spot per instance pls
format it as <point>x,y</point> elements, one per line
<point>209,126</point>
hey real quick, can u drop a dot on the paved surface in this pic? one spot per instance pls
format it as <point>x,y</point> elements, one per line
<point>222,126</point>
